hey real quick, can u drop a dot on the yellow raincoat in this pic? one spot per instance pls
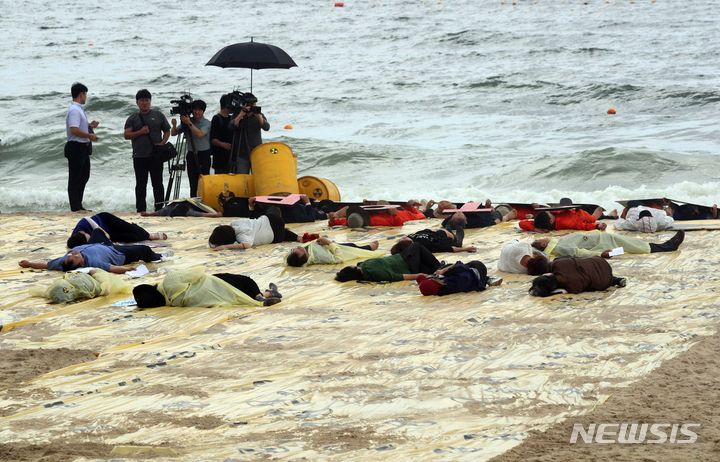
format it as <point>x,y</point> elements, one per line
<point>193,287</point>
<point>334,253</point>
<point>75,286</point>
<point>593,243</point>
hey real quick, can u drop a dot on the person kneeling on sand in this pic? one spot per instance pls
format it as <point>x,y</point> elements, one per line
<point>98,253</point>
<point>323,251</point>
<point>245,233</point>
<point>460,277</point>
<point>407,265</point>
<point>195,288</point>
<point>115,228</point>
<point>575,275</point>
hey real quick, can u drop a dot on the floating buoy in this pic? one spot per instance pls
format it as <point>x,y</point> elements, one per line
<point>339,4</point>
<point>612,111</point>
<point>288,127</point>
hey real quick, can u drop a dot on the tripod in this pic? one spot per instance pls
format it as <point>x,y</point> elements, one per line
<point>177,165</point>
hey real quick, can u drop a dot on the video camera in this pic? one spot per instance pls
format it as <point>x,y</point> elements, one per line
<point>181,106</point>
<point>240,99</point>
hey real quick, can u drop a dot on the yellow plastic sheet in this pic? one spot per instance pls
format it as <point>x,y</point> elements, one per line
<point>338,371</point>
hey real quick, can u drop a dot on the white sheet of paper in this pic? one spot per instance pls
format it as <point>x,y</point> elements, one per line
<point>128,302</point>
<point>138,272</point>
<point>617,251</point>
<point>84,269</point>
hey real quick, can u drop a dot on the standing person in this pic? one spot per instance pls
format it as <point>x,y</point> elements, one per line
<point>146,128</point>
<point>246,125</point>
<point>78,148</point>
<point>197,158</point>
<point>221,136</point>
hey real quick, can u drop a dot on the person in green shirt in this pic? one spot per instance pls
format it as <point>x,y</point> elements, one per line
<point>407,265</point>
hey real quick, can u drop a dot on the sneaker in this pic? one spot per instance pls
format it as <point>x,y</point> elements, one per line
<point>273,289</point>
<point>622,282</point>
<point>271,301</point>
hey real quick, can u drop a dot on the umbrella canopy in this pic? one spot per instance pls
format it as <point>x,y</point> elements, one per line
<point>252,55</point>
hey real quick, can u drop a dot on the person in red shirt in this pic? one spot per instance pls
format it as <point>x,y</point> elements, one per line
<point>393,217</point>
<point>546,221</point>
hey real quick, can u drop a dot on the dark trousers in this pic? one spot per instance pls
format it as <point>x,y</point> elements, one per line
<point>78,156</point>
<point>197,163</point>
<point>145,166</point>
<point>122,231</point>
<point>132,253</point>
<point>419,259</point>
<point>280,233</point>
<point>350,244</point>
<point>135,253</point>
<point>242,283</point>
<point>221,161</point>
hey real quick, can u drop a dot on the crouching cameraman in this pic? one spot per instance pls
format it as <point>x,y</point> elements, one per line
<point>247,123</point>
<point>197,128</point>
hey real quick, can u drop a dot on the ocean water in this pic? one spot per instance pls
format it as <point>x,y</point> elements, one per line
<point>464,100</point>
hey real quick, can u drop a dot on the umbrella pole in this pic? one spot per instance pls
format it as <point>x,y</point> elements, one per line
<point>251,80</point>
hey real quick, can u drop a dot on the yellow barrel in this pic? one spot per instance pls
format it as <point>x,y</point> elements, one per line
<point>318,188</point>
<point>274,169</point>
<point>216,189</point>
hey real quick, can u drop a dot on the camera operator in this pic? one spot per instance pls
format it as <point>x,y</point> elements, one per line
<point>146,128</point>
<point>198,153</point>
<point>221,136</point>
<point>247,124</point>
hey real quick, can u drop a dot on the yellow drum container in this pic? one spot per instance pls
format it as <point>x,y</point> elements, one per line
<point>318,188</point>
<point>214,190</point>
<point>274,169</point>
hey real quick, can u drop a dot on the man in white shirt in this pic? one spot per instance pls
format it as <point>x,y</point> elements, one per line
<point>78,148</point>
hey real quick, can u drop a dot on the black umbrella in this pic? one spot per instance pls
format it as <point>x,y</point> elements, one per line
<point>252,55</point>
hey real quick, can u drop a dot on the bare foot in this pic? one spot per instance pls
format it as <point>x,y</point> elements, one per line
<point>374,245</point>
<point>511,215</point>
<point>613,213</point>
<point>147,214</point>
<point>158,236</point>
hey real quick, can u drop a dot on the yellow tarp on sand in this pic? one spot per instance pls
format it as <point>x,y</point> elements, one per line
<point>337,371</point>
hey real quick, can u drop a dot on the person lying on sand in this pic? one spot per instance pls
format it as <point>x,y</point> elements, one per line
<point>407,265</point>
<point>530,258</point>
<point>546,221</point>
<point>78,286</point>
<point>354,216</point>
<point>500,214</point>
<point>457,278</point>
<point>576,275</point>
<point>644,219</point>
<point>679,212</point>
<point>195,288</point>
<point>596,243</point>
<point>323,251</point>
<point>115,228</point>
<point>183,208</point>
<point>245,233</point>
<point>435,240</point>
<point>99,252</point>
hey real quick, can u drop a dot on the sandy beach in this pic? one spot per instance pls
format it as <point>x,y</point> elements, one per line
<point>354,371</point>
